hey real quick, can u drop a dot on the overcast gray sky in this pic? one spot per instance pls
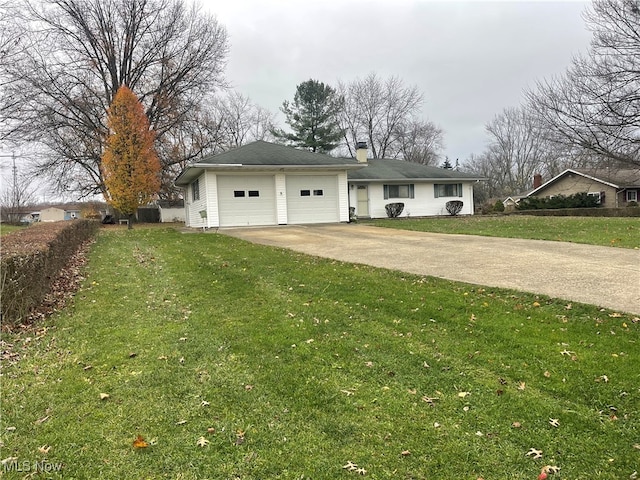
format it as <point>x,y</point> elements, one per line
<point>470,59</point>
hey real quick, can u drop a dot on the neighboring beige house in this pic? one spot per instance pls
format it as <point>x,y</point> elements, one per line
<point>70,211</point>
<point>615,188</point>
<point>51,214</point>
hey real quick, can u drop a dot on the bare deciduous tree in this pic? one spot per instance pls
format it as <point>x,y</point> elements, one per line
<point>56,91</point>
<point>376,111</point>
<point>18,193</point>
<point>241,121</point>
<point>595,105</point>
<point>420,141</point>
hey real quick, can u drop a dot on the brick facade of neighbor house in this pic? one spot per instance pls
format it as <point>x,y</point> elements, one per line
<point>615,188</point>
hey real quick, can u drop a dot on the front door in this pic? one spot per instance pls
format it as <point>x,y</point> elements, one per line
<point>363,201</point>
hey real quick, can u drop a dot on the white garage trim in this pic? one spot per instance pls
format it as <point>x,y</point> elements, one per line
<point>245,200</point>
<point>312,199</point>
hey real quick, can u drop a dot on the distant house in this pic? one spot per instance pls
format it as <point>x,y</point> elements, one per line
<point>263,183</point>
<point>613,188</point>
<point>52,214</point>
<point>72,211</point>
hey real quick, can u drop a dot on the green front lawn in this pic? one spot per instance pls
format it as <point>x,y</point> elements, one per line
<point>241,361</point>
<point>610,231</point>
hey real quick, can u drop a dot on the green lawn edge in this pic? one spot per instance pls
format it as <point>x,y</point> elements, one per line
<point>289,366</point>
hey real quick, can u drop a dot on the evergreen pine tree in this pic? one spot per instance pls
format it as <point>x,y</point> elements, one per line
<point>313,118</point>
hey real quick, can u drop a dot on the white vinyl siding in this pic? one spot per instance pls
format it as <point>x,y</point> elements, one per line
<point>312,199</point>
<point>422,205</point>
<point>197,189</point>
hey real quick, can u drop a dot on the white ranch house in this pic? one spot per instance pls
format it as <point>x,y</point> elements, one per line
<point>263,183</point>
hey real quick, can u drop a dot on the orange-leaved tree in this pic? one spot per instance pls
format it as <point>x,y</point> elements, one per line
<point>130,166</point>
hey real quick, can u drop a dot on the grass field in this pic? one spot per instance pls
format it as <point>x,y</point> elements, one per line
<point>241,361</point>
<point>6,229</point>
<point>616,232</point>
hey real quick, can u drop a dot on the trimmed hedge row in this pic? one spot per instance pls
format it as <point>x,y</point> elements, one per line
<point>32,259</point>
<point>582,212</point>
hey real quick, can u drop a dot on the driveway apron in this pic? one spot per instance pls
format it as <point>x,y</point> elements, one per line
<point>603,276</point>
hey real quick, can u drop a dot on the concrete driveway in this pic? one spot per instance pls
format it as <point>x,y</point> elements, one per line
<point>603,276</point>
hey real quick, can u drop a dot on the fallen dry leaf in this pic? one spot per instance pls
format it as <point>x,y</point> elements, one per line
<point>44,449</point>
<point>361,471</point>
<point>181,422</point>
<point>516,425</point>
<point>547,373</point>
<point>430,400</point>
<point>350,466</point>
<point>533,453</point>
<point>204,403</point>
<point>405,453</point>
<point>550,469</point>
<point>104,396</point>
<point>522,385</point>
<point>211,430</point>
<point>202,442</point>
<point>140,442</point>
<point>42,420</point>
<point>248,387</point>
<point>554,422</point>
<point>464,394</point>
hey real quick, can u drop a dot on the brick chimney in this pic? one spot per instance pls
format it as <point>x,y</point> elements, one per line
<point>361,152</point>
<point>537,180</point>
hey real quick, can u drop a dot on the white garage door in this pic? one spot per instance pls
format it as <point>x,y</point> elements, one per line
<point>312,199</point>
<point>246,200</point>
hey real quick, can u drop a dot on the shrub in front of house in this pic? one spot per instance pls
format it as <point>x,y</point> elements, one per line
<point>577,200</point>
<point>32,259</point>
<point>454,206</point>
<point>632,203</point>
<point>394,209</point>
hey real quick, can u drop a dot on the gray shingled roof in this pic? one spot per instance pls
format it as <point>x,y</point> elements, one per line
<point>386,169</point>
<point>266,153</point>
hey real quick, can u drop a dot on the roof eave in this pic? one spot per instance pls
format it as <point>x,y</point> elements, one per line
<point>193,171</point>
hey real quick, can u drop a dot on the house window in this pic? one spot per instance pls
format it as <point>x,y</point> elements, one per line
<point>447,190</point>
<point>254,193</point>
<point>195,190</point>
<point>305,193</point>
<point>597,196</point>
<point>399,191</point>
<point>318,193</point>
<point>238,193</point>
<point>632,195</point>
